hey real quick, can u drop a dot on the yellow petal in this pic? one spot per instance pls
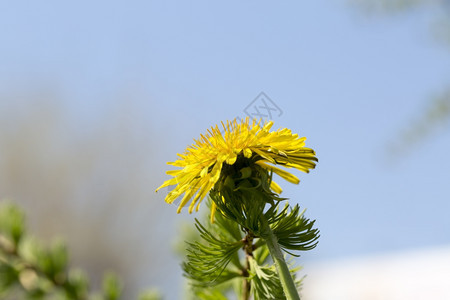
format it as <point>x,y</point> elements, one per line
<point>204,171</point>
<point>275,187</point>
<point>173,172</point>
<point>171,181</point>
<point>247,153</point>
<point>282,173</point>
<point>213,211</point>
<point>268,126</point>
<point>231,158</point>
<point>264,155</point>
<point>201,163</point>
<point>187,197</point>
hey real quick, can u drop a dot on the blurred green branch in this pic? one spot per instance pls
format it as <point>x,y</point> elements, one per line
<point>29,270</point>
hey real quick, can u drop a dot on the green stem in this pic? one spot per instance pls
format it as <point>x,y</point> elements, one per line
<point>286,279</point>
<point>248,248</point>
<point>246,283</point>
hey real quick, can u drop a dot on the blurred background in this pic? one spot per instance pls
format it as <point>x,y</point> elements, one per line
<point>96,97</point>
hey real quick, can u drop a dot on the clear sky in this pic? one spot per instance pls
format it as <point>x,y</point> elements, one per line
<point>349,83</point>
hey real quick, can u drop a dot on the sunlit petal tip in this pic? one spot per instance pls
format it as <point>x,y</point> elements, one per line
<point>247,153</point>
<point>282,173</point>
<point>204,172</point>
<point>213,212</point>
<point>231,159</point>
<point>197,206</point>
<point>268,126</point>
<point>275,187</point>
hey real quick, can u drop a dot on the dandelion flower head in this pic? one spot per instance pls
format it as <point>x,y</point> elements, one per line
<point>202,163</point>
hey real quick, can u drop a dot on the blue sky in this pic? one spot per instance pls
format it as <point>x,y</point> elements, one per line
<point>350,84</point>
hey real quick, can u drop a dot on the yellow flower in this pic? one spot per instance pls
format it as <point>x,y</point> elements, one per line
<point>201,163</point>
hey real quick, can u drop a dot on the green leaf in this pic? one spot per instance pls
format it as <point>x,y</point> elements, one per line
<point>261,253</point>
<point>265,283</point>
<point>151,294</point>
<point>9,276</point>
<point>112,286</point>
<point>59,258</point>
<point>12,222</point>
<point>293,231</point>
<point>207,260</point>
<point>77,284</point>
<point>210,294</point>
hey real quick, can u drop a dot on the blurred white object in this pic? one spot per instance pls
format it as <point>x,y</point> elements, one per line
<point>413,275</point>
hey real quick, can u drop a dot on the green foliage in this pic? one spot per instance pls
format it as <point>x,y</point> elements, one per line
<point>208,266</point>
<point>245,196</point>
<point>206,262</point>
<point>8,277</point>
<point>293,231</point>
<point>112,287</point>
<point>265,281</point>
<point>242,193</point>
<point>151,294</point>
<point>220,291</point>
<point>12,225</point>
<point>77,284</point>
<point>30,270</point>
<point>248,215</point>
<point>51,261</point>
